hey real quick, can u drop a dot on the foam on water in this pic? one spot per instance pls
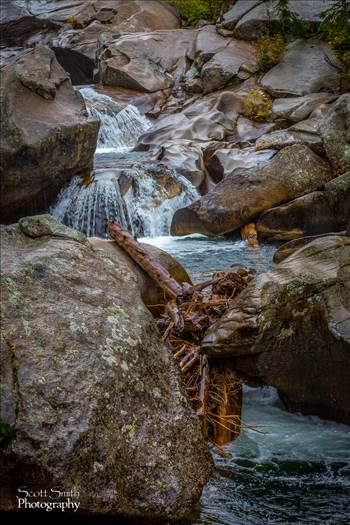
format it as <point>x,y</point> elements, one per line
<point>297,472</point>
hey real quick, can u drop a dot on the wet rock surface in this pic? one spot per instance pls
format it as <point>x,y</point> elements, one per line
<point>47,137</point>
<point>291,329</point>
<point>88,388</point>
<point>241,196</point>
<point>315,213</point>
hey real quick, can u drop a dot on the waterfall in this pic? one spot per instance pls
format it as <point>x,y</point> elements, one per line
<point>150,211</point>
<point>87,208</point>
<point>120,126</point>
<point>130,187</point>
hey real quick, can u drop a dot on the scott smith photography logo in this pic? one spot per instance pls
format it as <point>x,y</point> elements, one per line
<point>48,499</point>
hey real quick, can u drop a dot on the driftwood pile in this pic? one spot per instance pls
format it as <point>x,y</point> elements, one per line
<point>188,311</point>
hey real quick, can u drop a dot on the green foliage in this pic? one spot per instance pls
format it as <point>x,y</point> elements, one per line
<point>195,10</point>
<point>6,431</point>
<point>290,22</point>
<point>270,50</point>
<point>335,28</point>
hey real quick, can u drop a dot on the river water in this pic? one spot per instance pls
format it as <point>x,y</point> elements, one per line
<point>296,470</point>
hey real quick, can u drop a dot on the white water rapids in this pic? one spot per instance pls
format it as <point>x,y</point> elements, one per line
<point>142,205</point>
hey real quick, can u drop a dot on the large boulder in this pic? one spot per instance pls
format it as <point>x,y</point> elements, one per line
<point>335,130</point>
<point>46,135</point>
<point>206,44</point>
<point>90,397</point>
<point>315,213</point>
<point>306,67</point>
<point>74,28</point>
<point>245,193</point>
<point>145,61</point>
<point>291,329</point>
<point>299,108</point>
<point>151,293</point>
<point>236,62</point>
<point>250,19</point>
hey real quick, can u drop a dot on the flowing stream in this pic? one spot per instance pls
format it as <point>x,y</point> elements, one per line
<point>141,194</point>
<point>297,471</point>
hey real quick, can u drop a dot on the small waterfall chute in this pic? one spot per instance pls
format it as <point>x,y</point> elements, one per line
<point>145,210</point>
<point>87,208</point>
<point>120,125</point>
<point>153,194</point>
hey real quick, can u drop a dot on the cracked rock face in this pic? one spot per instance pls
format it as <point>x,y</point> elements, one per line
<point>291,329</point>
<point>89,391</point>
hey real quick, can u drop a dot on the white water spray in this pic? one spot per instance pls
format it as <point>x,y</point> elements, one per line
<point>120,126</point>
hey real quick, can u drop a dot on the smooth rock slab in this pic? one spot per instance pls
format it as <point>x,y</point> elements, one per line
<point>145,61</point>
<point>224,161</point>
<point>89,390</point>
<point>226,66</point>
<point>306,67</point>
<point>299,108</point>
<point>283,138</point>
<point>243,195</point>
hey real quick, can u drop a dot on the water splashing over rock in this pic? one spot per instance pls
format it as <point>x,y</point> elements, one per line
<point>120,125</point>
<point>142,195</point>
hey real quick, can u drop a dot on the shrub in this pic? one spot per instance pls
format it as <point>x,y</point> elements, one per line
<point>257,105</point>
<point>270,50</point>
<point>290,22</point>
<point>336,30</point>
<point>195,10</point>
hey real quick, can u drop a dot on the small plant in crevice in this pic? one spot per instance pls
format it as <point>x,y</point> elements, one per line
<point>257,105</point>
<point>74,22</point>
<point>270,50</point>
<point>335,28</point>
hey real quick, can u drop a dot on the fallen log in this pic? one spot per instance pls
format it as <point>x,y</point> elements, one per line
<point>157,272</point>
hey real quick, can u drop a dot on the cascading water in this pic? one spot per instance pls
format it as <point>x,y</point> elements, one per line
<point>120,126</point>
<point>140,194</point>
